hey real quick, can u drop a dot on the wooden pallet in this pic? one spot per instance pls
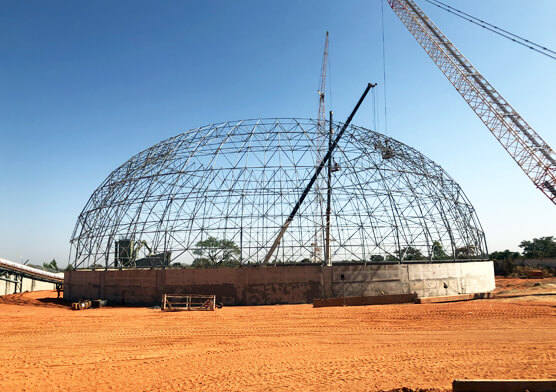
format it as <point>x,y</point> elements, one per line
<point>175,302</point>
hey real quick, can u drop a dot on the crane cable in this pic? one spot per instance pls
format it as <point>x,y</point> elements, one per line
<point>495,29</point>
<point>384,69</point>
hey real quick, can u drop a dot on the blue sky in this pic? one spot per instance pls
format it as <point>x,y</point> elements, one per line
<point>86,85</point>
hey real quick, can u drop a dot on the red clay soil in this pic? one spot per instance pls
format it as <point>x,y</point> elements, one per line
<point>48,347</point>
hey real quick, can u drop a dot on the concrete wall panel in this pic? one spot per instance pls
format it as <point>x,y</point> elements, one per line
<point>369,280</point>
<point>282,284</point>
<point>440,279</point>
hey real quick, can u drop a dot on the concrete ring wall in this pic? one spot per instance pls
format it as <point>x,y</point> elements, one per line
<point>288,284</point>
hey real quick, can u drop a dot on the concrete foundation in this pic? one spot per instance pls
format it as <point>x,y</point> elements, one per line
<point>289,284</point>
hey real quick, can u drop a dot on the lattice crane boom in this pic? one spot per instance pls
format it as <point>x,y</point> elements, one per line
<point>321,148</point>
<point>322,114</point>
<point>535,157</point>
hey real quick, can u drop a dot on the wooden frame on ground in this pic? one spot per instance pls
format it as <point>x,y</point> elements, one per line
<point>174,302</point>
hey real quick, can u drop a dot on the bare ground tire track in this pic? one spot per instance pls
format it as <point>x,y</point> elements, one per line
<point>290,347</point>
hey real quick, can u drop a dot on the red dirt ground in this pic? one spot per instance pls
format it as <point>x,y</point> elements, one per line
<point>48,347</point>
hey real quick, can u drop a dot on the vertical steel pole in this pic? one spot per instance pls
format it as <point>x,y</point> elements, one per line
<point>241,233</point>
<point>327,258</point>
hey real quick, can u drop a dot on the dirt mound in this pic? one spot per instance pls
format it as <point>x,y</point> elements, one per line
<point>525,289</point>
<point>519,284</point>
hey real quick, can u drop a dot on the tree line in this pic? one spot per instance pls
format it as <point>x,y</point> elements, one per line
<point>537,248</point>
<point>213,252</point>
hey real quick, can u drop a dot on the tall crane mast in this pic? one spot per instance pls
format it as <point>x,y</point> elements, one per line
<point>320,153</point>
<point>322,133</point>
<point>535,157</point>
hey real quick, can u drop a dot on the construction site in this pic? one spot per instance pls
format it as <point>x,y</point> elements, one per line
<point>422,347</point>
<point>375,254</point>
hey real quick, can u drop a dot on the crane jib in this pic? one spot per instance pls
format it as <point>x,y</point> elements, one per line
<point>533,155</point>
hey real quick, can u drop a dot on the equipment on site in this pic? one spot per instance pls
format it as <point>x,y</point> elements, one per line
<point>81,305</point>
<point>535,157</point>
<point>127,252</point>
<point>385,149</point>
<point>14,273</point>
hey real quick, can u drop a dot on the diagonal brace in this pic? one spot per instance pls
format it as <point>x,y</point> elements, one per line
<point>315,176</point>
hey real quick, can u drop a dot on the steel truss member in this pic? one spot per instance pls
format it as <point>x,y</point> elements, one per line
<point>236,182</point>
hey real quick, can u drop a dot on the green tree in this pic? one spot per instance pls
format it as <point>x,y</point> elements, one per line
<point>377,258</point>
<point>213,252</point>
<point>411,253</point>
<point>438,251</point>
<point>539,247</point>
<point>392,258</point>
<point>504,255</point>
<point>52,266</point>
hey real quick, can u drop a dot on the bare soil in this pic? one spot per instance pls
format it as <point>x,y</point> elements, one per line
<point>48,347</point>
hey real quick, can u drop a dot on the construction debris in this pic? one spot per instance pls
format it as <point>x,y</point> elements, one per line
<point>80,305</point>
<point>86,304</point>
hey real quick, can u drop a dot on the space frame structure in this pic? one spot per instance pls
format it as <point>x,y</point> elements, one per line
<point>238,181</point>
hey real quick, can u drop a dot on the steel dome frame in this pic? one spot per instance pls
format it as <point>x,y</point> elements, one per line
<point>239,180</point>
